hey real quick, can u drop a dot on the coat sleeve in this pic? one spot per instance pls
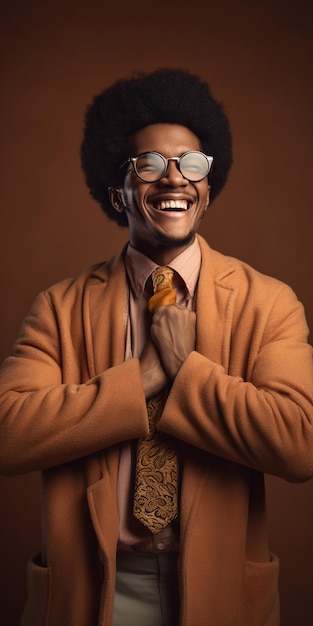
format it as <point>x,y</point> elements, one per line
<point>265,422</point>
<point>45,422</point>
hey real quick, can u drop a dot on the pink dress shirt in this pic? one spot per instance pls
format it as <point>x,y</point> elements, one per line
<point>132,534</point>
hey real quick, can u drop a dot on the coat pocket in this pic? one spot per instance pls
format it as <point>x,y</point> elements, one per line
<point>260,593</point>
<point>35,612</point>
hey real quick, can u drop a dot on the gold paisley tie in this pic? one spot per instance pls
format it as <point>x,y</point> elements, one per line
<point>155,497</point>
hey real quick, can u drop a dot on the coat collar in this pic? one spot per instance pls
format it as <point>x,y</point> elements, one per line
<point>105,309</point>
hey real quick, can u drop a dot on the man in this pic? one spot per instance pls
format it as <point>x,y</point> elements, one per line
<point>226,363</point>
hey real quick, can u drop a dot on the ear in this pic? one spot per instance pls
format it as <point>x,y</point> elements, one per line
<point>208,198</point>
<point>117,198</point>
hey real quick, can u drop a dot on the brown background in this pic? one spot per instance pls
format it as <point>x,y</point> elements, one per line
<point>56,55</point>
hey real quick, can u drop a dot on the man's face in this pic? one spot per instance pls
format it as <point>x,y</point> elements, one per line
<point>163,216</point>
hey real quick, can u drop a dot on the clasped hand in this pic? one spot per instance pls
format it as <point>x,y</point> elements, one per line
<point>172,338</point>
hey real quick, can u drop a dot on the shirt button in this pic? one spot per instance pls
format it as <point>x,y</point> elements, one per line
<point>161,545</point>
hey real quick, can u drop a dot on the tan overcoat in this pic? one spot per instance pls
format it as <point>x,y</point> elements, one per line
<point>241,405</point>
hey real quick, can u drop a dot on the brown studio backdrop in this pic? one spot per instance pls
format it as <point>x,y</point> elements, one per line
<point>257,56</point>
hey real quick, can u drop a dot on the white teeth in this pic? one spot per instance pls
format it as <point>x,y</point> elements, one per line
<point>173,204</point>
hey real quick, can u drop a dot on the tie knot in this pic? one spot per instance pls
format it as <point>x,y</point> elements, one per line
<point>162,278</point>
<point>162,286</point>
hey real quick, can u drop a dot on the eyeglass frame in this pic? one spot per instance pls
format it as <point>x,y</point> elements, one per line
<point>133,161</point>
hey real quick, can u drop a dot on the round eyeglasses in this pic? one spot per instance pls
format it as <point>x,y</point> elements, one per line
<point>152,166</point>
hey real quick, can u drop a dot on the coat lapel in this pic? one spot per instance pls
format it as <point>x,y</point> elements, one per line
<point>105,312</point>
<point>216,295</point>
<point>214,306</point>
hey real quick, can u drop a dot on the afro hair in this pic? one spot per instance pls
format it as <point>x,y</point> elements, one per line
<point>167,95</point>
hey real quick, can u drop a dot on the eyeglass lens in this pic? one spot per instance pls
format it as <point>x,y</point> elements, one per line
<point>151,166</point>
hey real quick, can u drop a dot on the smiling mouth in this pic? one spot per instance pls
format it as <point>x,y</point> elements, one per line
<point>172,205</point>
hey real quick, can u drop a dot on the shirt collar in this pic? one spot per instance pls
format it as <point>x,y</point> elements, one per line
<point>186,264</point>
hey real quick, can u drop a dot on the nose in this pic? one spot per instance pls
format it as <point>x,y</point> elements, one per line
<point>173,176</point>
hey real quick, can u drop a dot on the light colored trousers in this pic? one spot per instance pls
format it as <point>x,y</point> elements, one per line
<point>146,590</point>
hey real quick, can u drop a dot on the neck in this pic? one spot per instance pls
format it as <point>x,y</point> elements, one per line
<point>163,254</point>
